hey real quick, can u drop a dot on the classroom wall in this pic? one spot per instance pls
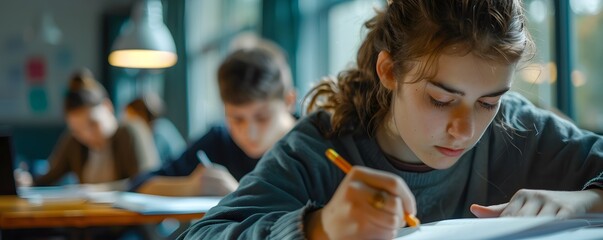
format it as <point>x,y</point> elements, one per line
<point>34,70</point>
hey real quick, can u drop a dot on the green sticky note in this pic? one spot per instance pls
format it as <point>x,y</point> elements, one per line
<point>38,99</point>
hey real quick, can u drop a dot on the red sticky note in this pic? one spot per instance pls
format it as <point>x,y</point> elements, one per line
<point>36,70</point>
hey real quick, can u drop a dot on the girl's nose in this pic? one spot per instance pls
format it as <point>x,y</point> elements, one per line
<point>461,125</point>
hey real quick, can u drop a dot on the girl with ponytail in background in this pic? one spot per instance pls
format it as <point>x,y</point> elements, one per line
<point>96,147</point>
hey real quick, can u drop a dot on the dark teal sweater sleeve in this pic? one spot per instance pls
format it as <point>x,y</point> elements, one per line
<point>293,178</point>
<point>535,149</point>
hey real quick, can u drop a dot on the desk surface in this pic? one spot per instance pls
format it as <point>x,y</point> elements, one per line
<point>18,213</point>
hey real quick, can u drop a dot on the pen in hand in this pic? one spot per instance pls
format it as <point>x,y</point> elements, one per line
<point>203,159</point>
<point>342,164</point>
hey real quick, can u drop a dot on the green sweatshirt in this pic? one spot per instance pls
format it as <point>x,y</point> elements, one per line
<point>535,149</point>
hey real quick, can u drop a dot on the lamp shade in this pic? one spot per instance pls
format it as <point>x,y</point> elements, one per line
<point>145,41</point>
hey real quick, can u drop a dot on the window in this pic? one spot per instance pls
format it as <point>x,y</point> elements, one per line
<point>587,72</point>
<point>536,77</point>
<point>210,27</point>
<point>346,31</point>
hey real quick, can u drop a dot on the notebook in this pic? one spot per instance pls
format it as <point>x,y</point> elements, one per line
<point>7,158</point>
<point>53,194</point>
<point>153,204</point>
<point>74,193</point>
<point>499,228</point>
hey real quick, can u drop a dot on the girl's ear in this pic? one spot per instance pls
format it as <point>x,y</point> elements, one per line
<point>385,67</point>
<point>290,98</point>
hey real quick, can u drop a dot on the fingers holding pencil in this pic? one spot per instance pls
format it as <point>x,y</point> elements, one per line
<point>368,203</point>
<point>391,187</point>
<point>395,186</point>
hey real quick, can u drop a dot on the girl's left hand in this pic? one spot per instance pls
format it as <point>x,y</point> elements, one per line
<point>527,202</point>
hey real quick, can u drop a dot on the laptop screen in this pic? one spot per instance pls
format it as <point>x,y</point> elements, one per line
<point>7,180</point>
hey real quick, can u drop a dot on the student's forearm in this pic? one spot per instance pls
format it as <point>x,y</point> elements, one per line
<point>170,186</point>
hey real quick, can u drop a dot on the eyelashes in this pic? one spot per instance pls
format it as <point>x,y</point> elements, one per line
<point>488,106</point>
<point>437,103</point>
<point>440,104</point>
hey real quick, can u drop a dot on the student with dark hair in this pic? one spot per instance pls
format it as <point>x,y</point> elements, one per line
<point>149,109</point>
<point>426,122</point>
<point>95,147</point>
<point>257,94</point>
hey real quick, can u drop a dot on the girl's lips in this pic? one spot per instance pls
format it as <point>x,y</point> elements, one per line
<point>450,152</point>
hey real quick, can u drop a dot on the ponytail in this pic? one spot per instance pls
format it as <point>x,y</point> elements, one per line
<point>84,91</point>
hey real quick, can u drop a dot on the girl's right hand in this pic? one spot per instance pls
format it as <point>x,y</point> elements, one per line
<point>355,212</point>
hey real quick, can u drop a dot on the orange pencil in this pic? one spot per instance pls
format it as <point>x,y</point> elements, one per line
<point>338,160</point>
<point>345,166</point>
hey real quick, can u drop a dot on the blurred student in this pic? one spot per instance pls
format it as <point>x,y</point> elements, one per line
<point>255,87</point>
<point>149,109</point>
<point>95,147</point>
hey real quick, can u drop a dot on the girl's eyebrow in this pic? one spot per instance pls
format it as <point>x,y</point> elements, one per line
<point>461,93</point>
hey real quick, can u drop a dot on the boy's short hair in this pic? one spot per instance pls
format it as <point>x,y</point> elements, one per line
<point>249,75</point>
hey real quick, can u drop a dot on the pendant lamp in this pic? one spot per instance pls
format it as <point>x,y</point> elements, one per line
<point>144,41</point>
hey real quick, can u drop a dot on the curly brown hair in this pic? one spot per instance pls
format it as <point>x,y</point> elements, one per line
<point>409,30</point>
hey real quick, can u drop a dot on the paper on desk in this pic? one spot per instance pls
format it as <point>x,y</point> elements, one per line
<point>153,204</point>
<point>575,234</point>
<point>52,194</point>
<point>485,228</point>
<point>102,196</point>
<point>66,194</point>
